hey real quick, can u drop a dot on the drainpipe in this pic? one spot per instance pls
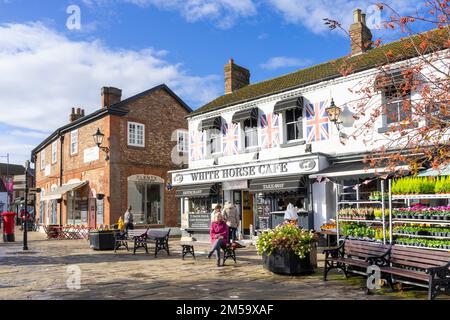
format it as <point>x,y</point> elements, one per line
<point>61,153</point>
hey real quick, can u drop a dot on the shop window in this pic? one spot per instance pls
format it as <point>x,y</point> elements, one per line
<point>398,105</point>
<point>146,202</point>
<point>74,142</point>
<point>54,151</point>
<point>53,212</point>
<point>136,134</point>
<point>294,124</point>
<point>251,133</point>
<point>74,208</point>
<point>182,141</point>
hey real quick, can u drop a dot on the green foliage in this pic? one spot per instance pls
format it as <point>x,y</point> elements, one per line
<point>361,231</point>
<point>421,185</point>
<point>286,237</point>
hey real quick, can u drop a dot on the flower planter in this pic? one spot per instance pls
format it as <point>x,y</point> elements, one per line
<point>102,240</point>
<point>287,262</point>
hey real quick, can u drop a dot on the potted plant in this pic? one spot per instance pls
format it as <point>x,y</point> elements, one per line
<point>287,249</point>
<point>102,239</point>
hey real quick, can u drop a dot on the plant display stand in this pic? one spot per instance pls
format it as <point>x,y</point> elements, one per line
<point>362,219</point>
<point>421,226</point>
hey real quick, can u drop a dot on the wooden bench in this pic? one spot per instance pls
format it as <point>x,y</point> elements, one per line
<point>416,266</point>
<point>352,256</point>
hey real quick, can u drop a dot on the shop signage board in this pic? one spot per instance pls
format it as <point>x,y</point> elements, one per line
<point>247,171</point>
<point>199,221</point>
<point>235,185</point>
<point>146,178</point>
<point>91,154</point>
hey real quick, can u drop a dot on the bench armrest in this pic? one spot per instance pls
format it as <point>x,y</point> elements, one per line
<point>335,252</point>
<point>380,261</point>
<point>439,272</point>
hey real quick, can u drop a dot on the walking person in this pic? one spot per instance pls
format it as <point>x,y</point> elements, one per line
<point>219,235</point>
<point>231,217</point>
<point>128,219</point>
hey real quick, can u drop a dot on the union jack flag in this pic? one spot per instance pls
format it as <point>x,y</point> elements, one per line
<point>196,145</point>
<point>270,128</point>
<point>317,123</point>
<point>230,139</point>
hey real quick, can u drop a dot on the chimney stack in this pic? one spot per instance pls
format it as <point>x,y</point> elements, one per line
<point>236,77</point>
<point>74,116</point>
<point>110,96</point>
<point>360,35</point>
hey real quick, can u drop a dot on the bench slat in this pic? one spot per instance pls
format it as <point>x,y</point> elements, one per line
<point>405,273</point>
<point>421,252</point>
<point>427,259</point>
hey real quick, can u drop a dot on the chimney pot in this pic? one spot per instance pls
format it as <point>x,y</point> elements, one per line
<point>110,96</point>
<point>236,77</point>
<point>76,114</point>
<point>360,35</point>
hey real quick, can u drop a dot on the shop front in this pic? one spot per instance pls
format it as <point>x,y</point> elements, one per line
<point>260,191</point>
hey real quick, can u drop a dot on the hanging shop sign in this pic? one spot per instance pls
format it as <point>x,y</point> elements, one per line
<point>247,171</point>
<point>199,221</point>
<point>146,178</point>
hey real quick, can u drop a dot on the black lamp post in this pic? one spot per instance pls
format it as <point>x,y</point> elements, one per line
<point>98,139</point>
<point>25,214</point>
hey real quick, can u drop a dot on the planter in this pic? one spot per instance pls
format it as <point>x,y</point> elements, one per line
<point>102,240</point>
<point>287,262</point>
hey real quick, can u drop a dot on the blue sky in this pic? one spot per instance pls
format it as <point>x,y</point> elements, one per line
<point>136,44</point>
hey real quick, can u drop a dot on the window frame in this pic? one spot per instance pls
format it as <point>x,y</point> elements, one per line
<point>394,95</point>
<point>245,131</point>
<point>184,146</point>
<point>42,159</point>
<point>74,150</point>
<point>54,152</point>
<point>296,122</point>
<point>217,134</point>
<point>135,142</point>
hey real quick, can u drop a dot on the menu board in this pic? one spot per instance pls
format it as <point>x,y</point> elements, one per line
<point>263,223</point>
<point>199,221</point>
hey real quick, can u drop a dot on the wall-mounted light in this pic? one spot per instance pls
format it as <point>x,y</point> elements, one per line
<point>334,113</point>
<point>98,139</point>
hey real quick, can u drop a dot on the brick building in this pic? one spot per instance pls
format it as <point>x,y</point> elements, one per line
<point>82,184</point>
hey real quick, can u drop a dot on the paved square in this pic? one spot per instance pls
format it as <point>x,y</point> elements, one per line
<point>42,273</point>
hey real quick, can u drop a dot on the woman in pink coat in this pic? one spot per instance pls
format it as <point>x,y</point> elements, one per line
<point>219,234</point>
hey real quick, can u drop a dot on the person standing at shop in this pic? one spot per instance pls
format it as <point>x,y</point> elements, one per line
<point>231,217</point>
<point>128,219</point>
<point>219,235</point>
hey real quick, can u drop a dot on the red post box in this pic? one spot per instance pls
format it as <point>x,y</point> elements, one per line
<point>8,226</point>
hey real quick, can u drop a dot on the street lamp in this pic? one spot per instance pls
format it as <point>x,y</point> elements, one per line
<point>334,114</point>
<point>98,139</point>
<point>25,214</point>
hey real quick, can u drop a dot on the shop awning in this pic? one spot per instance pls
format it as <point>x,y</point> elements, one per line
<point>245,114</point>
<point>344,169</point>
<point>287,104</point>
<point>196,191</point>
<point>211,123</point>
<point>444,171</point>
<point>60,191</point>
<point>279,185</point>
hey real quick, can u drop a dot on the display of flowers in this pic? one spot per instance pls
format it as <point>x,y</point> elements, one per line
<point>423,231</point>
<point>361,232</point>
<point>357,214</point>
<point>286,237</point>
<point>426,243</point>
<point>422,212</point>
<point>421,185</point>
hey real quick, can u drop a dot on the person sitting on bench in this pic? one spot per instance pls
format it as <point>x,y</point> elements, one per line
<point>219,234</point>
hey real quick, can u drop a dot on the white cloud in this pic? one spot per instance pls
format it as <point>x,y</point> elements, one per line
<point>310,14</point>
<point>284,62</point>
<point>45,74</point>
<point>223,13</point>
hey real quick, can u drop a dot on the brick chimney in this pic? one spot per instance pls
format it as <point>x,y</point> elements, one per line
<point>236,77</point>
<point>75,115</point>
<point>110,96</point>
<point>360,35</point>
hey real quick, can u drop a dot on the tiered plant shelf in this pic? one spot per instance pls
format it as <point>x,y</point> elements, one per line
<point>362,219</point>
<point>420,226</point>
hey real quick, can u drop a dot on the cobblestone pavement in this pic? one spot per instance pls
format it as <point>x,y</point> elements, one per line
<point>41,273</point>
